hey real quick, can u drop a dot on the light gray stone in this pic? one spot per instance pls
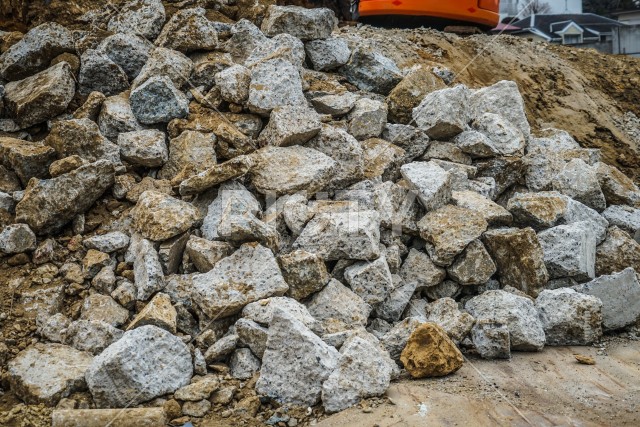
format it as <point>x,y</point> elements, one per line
<point>290,125</point>
<point>116,116</point>
<point>288,170</point>
<point>491,339</point>
<point>262,311</point>
<point>228,287</point>
<point>144,17</point>
<point>100,74</point>
<point>274,83</point>
<point>252,335</point>
<point>338,308</point>
<point>367,119</point>
<point>147,271</point>
<point>35,50</point>
<point>579,181</point>
<point>446,314</point>
<point>92,336</point>
<point>109,242</point>
<point>569,317</point>
<point>419,269</point>
<point>337,104</point>
<point>204,254</point>
<point>308,359</point>
<point>189,30</point>
<point>234,83</point>
<point>474,266</point>
<point>446,289</point>
<point>144,148</point>
<point>17,238</point>
<point>624,217</point>
<point>145,363</point>
<point>53,327</point>
<point>432,183</point>
<point>165,62</point>
<point>569,251</point>
<point>304,272</point>
<point>158,101</point>
<point>350,235</point>
<point>394,305</point>
<point>443,114</point>
<point>371,280</point>
<point>371,71</point>
<point>505,139</point>
<point>362,372</point>
<point>221,348</point>
<point>50,204</point>
<point>243,364</point>
<point>45,373</point>
<point>328,54</point>
<point>284,46</point>
<point>518,313</point>
<point>128,50</point>
<point>620,296</point>
<point>245,37</point>
<point>396,339</point>
<point>306,24</point>
<point>502,98</point>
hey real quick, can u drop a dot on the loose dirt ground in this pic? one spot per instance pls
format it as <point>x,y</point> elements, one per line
<point>532,389</point>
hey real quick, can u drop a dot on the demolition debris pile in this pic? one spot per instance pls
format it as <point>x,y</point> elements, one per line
<point>222,218</point>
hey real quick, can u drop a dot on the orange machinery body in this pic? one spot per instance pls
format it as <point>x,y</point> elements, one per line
<point>483,12</point>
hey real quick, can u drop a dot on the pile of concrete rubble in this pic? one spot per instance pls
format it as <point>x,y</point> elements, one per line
<point>286,210</point>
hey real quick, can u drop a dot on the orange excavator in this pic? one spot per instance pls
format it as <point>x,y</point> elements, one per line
<point>482,13</point>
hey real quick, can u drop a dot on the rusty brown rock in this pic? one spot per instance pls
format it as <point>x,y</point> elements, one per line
<point>430,353</point>
<point>160,217</point>
<point>617,252</point>
<point>408,94</point>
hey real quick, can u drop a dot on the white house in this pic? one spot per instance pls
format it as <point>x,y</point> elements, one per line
<point>629,17</point>
<point>513,7</point>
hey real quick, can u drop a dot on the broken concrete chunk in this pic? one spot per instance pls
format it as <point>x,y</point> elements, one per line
<point>350,235</point>
<point>274,83</point>
<point>518,313</point>
<point>227,288</point>
<point>45,373</point>
<point>189,154</point>
<point>159,312</point>
<point>371,280</point>
<point>617,252</point>
<point>505,139</point>
<point>618,189</point>
<point>491,338</point>
<point>40,97</point>
<point>231,194</point>
<point>234,83</point>
<point>145,148</point>
<point>17,238</point>
<point>165,62</point>
<point>26,159</point>
<point>328,54</point>
<point>367,119</point>
<point>35,50</point>
<point>338,308</point>
<point>290,125</point>
<point>158,101</point>
<point>189,30</point>
<point>127,373</point>
<point>432,183</point>
<point>393,306</point>
<point>204,254</point>
<point>519,258</point>
<point>443,114</point>
<point>492,212</point>
<point>579,181</point>
<point>362,371</point>
<point>419,269</point>
<point>253,335</point>
<point>108,243</point>
<point>449,230</point>
<point>502,98</point>
<point>81,137</point>
<point>445,313</point>
<point>306,24</point>
<point>147,270</point>
<point>304,272</point>
<point>100,307</point>
<point>474,266</point>
<point>50,204</point>
<point>569,317</point>
<point>129,51</point>
<point>335,104</point>
<point>371,71</point>
<point>99,73</point>
<point>144,17</point>
<point>396,339</point>
<point>308,359</point>
<point>625,218</point>
<point>116,116</point>
<point>91,335</point>
<point>243,364</point>
<point>620,296</point>
<point>284,46</point>
<point>407,95</point>
<point>569,251</point>
<point>215,175</point>
<point>158,216</point>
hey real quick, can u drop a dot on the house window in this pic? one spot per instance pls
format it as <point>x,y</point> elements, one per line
<point>572,39</point>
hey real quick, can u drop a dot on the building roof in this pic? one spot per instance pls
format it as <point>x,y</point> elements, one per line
<point>552,26</point>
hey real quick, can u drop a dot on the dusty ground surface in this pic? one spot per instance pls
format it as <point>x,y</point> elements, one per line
<point>532,389</point>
